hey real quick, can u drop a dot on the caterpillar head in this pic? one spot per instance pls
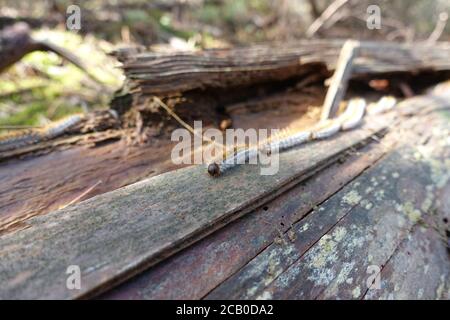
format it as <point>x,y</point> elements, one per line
<point>214,169</point>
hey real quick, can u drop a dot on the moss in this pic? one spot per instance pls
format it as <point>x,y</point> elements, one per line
<point>356,292</point>
<point>352,198</point>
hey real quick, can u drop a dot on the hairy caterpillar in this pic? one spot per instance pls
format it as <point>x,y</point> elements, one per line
<point>18,140</point>
<point>59,127</point>
<point>326,129</point>
<point>384,104</point>
<point>288,142</point>
<point>354,114</point>
<point>215,169</point>
<point>351,118</point>
<point>28,137</point>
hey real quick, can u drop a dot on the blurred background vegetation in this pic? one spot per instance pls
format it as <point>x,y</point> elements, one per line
<point>43,87</point>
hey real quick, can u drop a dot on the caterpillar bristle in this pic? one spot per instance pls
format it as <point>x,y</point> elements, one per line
<point>286,143</point>
<point>240,157</point>
<point>59,127</point>
<point>356,109</point>
<point>28,137</point>
<point>352,117</point>
<point>325,130</point>
<point>18,139</point>
<point>386,103</point>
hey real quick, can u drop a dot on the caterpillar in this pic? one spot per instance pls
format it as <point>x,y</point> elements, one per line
<point>353,115</point>
<point>18,140</point>
<point>288,142</point>
<point>325,129</point>
<point>215,169</point>
<point>351,118</point>
<point>59,127</point>
<point>28,137</point>
<point>383,105</point>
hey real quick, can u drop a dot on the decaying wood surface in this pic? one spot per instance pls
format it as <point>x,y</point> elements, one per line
<point>418,269</point>
<point>322,250</point>
<point>337,210</point>
<point>38,185</point>
<point>63,169</point>
<point>191,274</point>
<point>115,235</point>
<point>331,249</point>
<point>158,73</point>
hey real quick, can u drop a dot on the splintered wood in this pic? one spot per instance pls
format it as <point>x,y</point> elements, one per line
<point>120,234</point>
<point>380,200</point>
<point>197,206</point>
<point>364,197</point>
<point>162,73</point>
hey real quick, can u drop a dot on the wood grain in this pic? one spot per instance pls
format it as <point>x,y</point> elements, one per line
<point>118,234</point>
<point>421,256</point>
<point>165,73</point>
<point>328,252</point>
<point>198,269</point>
<point>38,185</point>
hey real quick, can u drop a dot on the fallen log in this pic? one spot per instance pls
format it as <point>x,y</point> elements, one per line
<point>119,234</point>
<point>195,210</point>
<point>163,73</point>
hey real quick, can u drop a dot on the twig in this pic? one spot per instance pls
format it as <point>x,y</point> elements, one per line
<point>327,14</point>
<point>180,121</point>
<point>340,78</point>
<point>438,29</point>
<point>175,116</point>
<point>87,191</point>
<point>69,56</point>
<point>406,89</point>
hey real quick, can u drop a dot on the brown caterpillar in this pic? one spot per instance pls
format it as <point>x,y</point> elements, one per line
<point>383,105</point>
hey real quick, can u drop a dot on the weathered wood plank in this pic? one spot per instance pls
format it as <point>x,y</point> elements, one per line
<point>197,270</point>
<point>404,203</point>
<point>39,185</point>
<point>420,266</point>
<point>52,174</point>
<point>251,281</point>
<point>159,73</point>
<point>116,235</point>
<point>422,255</point>
<point>328,252</point>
